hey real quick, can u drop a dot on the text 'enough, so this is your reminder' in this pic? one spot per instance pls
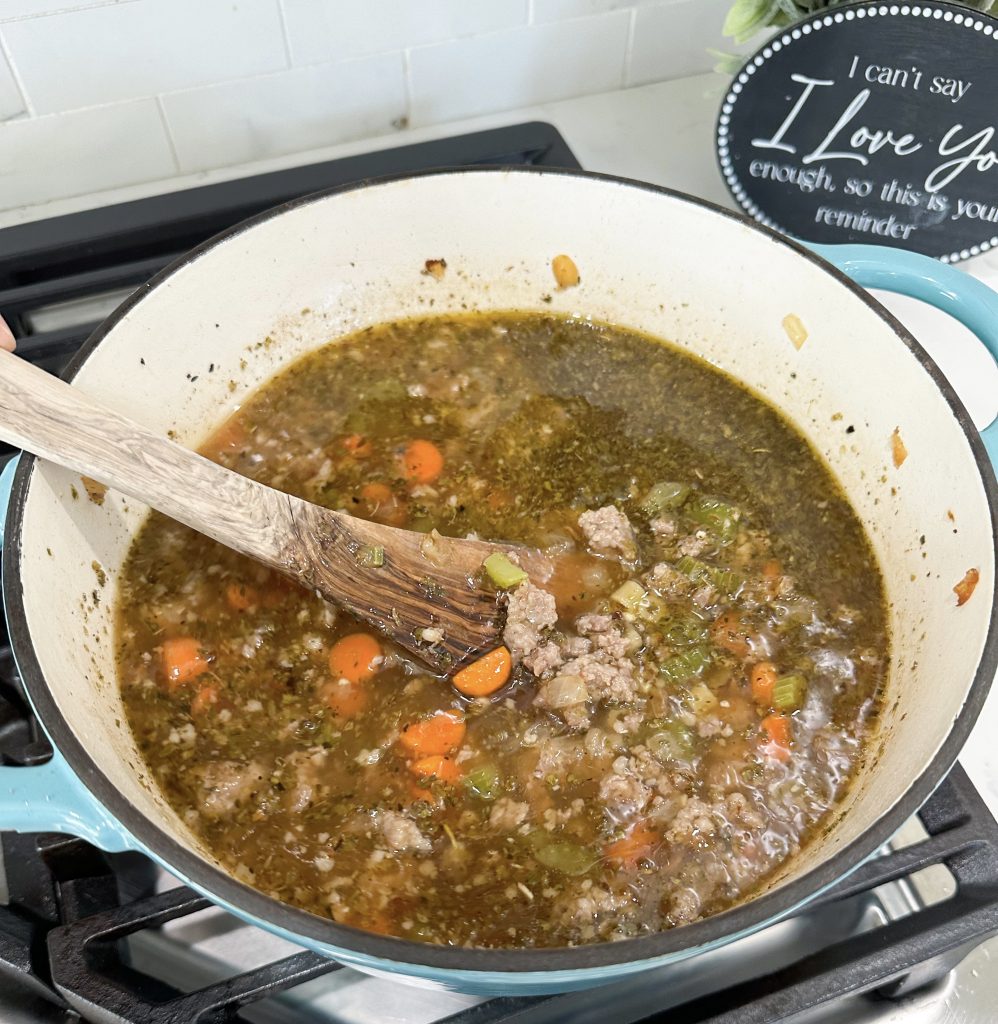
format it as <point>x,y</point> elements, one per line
<point>848,144</point>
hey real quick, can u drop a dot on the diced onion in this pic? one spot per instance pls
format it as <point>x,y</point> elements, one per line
<point>564,691</point>
<point>597,742</point>
<point>630,595</point>
<point>431,548</point>
<point>704,701</point>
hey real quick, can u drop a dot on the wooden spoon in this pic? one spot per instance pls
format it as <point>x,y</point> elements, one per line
<point>425,581</point>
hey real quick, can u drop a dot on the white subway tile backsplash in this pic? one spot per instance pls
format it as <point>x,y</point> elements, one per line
<point>11,100</point>
<point>671,40</point>
<point>82,151</point>
<point>13,9</point>
<point>324,30</point>
<point>129,50</point>
<point>95,94</point>
<point>517,68</point>
<point>558,10</point>
<point>305,108</point>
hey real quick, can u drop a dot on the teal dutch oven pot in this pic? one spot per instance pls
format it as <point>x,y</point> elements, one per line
<point>712,282</point>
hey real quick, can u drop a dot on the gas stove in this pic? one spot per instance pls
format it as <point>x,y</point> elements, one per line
<point>907,939</point>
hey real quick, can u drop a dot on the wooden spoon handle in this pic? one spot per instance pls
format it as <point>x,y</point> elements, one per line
<point>44,415</point>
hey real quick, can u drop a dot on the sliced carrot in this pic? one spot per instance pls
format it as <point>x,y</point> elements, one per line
<point>498,499</point>
<point>382,504</point>
<point>422,461</point>
<point>637,845</point>
<point>771,573</point>
<point>344,697</point>
<point>420,793</point>
<point>205,699</point>
<point>357,446</point>
<point>240,597</point>
<point>355,657</point>
<point>964,590</point>
<point>778,732</point>
<point>898,450</point>
<point>441,733</point>
<point>377,921</point>
<point>230,437</point>
<point>729,632</point>
<point>486,675</point>
<point>353,660</point>
<point>376,494</point>
<point>763,679</point>
<point>182,660</point>
<point>436,766</point>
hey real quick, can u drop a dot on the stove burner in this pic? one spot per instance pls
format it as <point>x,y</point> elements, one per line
<point>69,910</point>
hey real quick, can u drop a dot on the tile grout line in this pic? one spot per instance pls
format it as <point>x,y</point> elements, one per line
<point>14,19</point>
<point>185,90</point>
<point>282,15</point>
<point>407,85</point>
<point>629,48</point>
<point>29,108</point>
<point>165,121</point>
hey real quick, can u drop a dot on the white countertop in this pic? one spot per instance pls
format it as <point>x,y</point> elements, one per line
<point>661,133</point>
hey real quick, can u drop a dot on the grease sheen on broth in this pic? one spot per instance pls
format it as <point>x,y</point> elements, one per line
<point>691,694</point>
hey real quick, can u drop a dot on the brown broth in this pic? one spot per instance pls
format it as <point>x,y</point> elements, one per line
<point>668,792</point>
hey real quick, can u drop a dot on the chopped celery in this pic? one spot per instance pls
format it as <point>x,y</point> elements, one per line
<point>502,571</point>
<point>686,665</point>
<point>630,595</point>
<point>720,518</point>
<point>703,700</point>
<point>684,630</point>
<point>562,855</point>
<point>694,569</point>
<point>652,608</point>
<point>663,496</point>
<point>633,639</point>
<point>370,557</point>
<point>673,742</point>
<point>790,692</point>
<point>484,782</point>
<point>726,580</point>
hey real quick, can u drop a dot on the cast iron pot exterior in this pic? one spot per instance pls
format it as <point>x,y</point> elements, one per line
<point>710,281</point>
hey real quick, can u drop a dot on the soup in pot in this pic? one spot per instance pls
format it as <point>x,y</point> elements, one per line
<point>672,714</point>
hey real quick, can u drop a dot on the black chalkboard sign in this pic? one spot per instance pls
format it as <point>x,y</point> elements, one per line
<point>872,122</point>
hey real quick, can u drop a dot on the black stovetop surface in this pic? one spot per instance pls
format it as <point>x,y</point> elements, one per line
<point>67,906</point>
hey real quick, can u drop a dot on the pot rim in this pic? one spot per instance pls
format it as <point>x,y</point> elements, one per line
<point>754,913</point>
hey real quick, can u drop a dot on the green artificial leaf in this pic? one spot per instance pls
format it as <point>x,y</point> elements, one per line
<point>748,18</point>
<point>726,63</point>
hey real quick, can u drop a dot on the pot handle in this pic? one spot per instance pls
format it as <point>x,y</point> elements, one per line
<point>953,291</point>
<point>49,797</point>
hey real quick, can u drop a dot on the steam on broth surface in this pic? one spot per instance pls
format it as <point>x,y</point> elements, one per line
<point>689,694</point>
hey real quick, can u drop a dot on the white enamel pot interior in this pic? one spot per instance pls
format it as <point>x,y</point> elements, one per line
<point>188,348</point>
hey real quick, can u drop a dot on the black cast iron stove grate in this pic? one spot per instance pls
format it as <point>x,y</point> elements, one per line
<point>88,969</point>
<point>68,906</point>
<point>48,264</point>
